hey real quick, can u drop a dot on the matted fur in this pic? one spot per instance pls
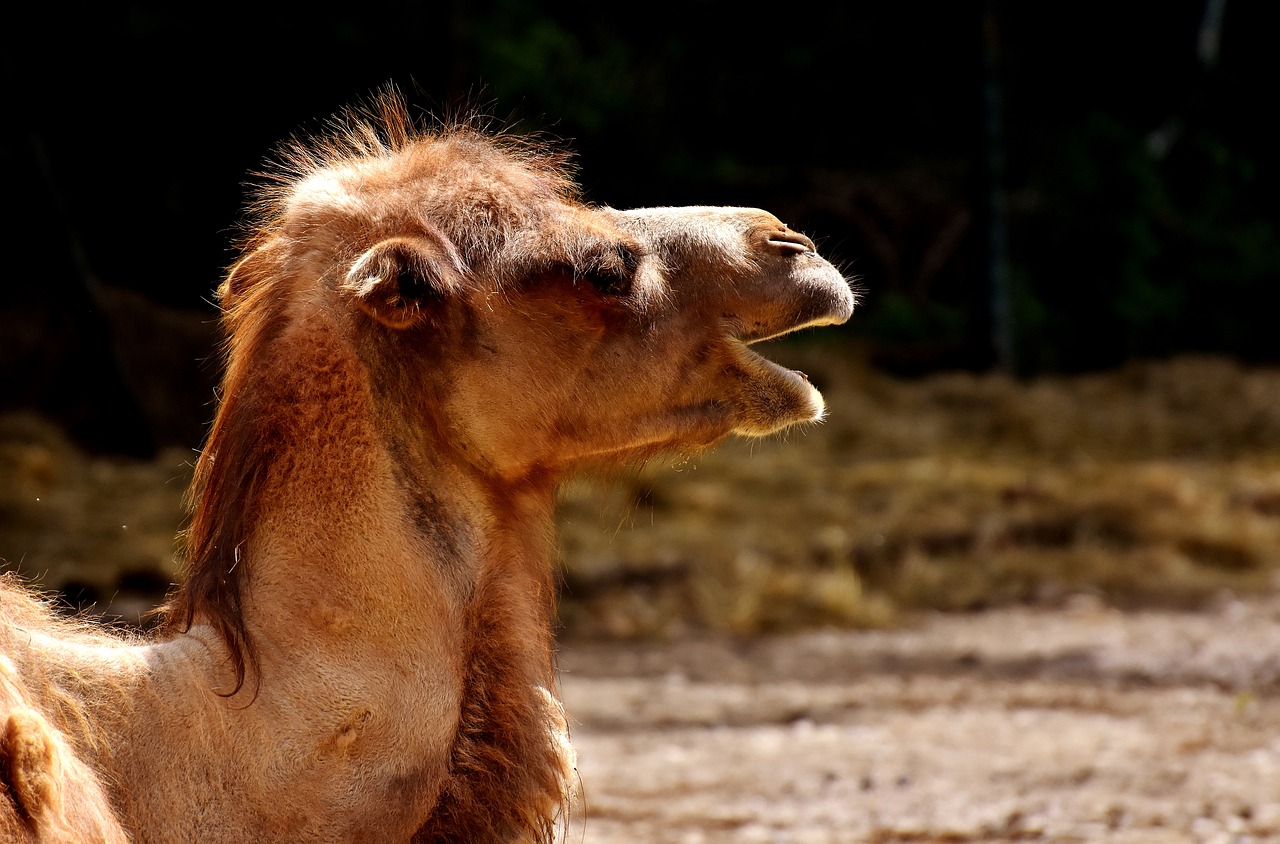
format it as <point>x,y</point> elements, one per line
<point>426,332</point>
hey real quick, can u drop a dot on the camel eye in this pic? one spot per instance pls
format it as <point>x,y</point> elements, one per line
<point>608,281</point>
<point>613,271</point>
<point>609,267</point>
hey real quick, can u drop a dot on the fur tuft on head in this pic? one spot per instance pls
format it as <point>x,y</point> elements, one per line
<point>377,150</point>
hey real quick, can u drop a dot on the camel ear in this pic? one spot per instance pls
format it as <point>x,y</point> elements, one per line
<point>398,280</point>
<point>246,273</point>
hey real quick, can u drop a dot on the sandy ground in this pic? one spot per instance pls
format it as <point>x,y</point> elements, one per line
<point>1080,724</point>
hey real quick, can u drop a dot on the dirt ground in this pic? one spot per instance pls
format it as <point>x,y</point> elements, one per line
<point>1081,724</point>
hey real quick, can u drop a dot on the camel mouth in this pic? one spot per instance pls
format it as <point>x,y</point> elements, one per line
<point>776,397</point>
<point>799,378</point>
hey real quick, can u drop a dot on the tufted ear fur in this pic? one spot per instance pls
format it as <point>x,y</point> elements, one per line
<point>397,280</point>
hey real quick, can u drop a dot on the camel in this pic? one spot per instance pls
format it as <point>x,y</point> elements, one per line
<point>427,331</point>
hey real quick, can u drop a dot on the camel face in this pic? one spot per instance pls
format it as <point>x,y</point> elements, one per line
<point>641,343</point>
<point>552,333</point>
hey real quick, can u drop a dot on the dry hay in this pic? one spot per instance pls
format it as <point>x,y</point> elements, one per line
<point>99,530</point>
<point>1158,485</point>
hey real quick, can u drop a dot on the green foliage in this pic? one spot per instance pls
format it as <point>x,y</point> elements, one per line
<point>1224,247</point>
<point>1087,279</point>
<point>1133,254</point>
<point>862,124</point>
<point>534,59</point>
<point>900,320</point>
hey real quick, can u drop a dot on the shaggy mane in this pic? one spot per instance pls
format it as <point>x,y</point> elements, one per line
<point>381,131</point>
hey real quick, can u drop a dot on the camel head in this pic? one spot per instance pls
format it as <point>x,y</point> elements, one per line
<point>528,331</point>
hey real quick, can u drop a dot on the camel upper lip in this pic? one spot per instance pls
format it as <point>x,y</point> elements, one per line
<point>811,293</point>
<point>750,338</point>
<point>835,313</point>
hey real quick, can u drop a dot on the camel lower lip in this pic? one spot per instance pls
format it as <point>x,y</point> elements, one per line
<point>776,367</point>
<point>773,397</point>
<point>794,373</point>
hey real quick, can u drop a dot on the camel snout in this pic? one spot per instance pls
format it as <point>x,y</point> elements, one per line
<point>842,299</point>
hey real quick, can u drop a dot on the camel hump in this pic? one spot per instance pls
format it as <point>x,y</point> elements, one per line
<point>28,760</point>
<point>45,796</point>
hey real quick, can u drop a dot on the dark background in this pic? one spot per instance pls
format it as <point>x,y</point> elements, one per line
<point>1047,187</point>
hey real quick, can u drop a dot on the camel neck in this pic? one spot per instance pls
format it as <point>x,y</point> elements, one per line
<point>359,519</point>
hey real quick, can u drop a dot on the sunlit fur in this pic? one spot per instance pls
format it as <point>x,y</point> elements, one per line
<point>427,331</point>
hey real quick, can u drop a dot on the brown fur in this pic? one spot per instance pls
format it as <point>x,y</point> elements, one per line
<point>427,333</point>
<point>47,794</point>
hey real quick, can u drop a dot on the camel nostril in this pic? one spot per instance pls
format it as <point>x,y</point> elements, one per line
<point>788,242</point>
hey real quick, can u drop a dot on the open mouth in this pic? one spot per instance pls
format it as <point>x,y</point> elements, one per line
<point>773,397</point>
<point>756,357</point>
<point>830,314</point>
<point>769,396</point>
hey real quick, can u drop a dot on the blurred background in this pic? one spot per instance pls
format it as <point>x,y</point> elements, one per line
<point>1064,220</point>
